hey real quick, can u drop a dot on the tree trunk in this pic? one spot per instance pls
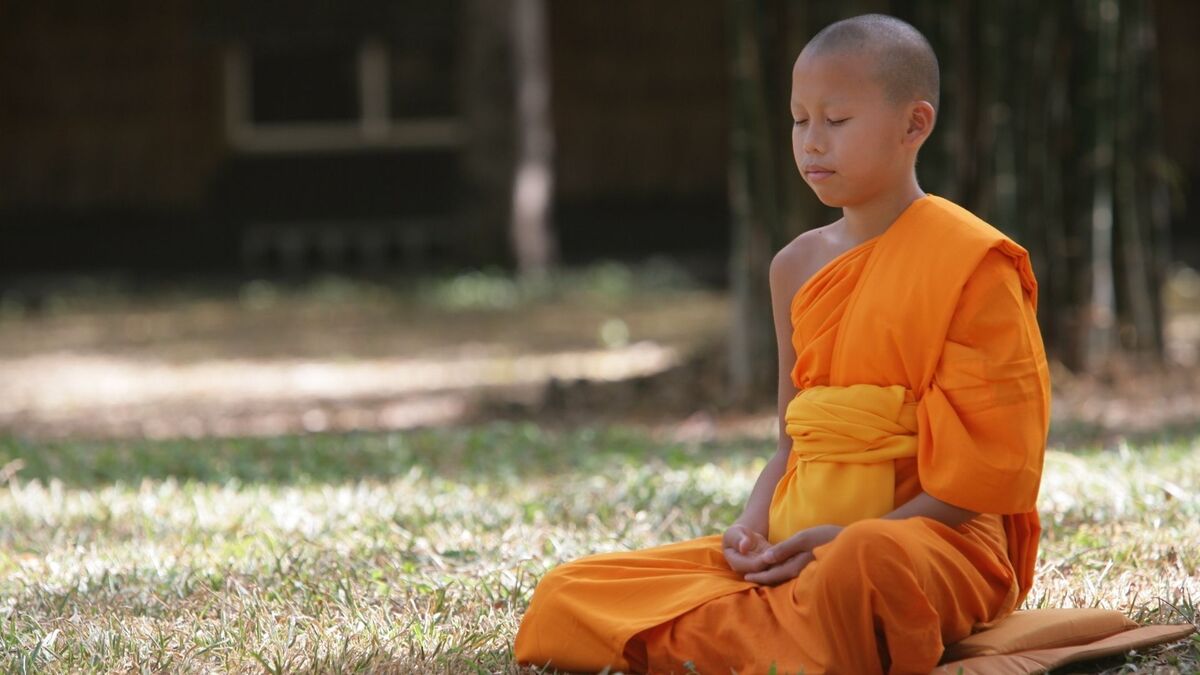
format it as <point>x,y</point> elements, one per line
<point>533,184</point>
<point>754,203</point>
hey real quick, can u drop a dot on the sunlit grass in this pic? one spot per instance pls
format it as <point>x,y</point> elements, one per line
<point>232,357</point>
<point>419,551</point>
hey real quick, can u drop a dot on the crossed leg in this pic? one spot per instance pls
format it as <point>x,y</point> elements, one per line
<point>884,596</point>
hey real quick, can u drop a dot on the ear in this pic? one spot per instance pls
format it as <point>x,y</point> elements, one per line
<point>921,118</point>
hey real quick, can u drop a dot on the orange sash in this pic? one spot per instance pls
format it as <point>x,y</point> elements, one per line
<point>841,468</point>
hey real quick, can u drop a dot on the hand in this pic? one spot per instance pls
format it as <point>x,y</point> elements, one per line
<point>743,549</point>
<point>786,559</point>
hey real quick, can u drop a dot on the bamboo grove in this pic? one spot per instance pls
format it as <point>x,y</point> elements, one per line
<point>1049,129</point>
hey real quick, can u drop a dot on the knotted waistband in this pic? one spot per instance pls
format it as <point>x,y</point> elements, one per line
<point>841,468</point>
<point>860,423</point>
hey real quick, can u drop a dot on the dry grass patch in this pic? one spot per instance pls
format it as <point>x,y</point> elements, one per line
<point>419,551</point>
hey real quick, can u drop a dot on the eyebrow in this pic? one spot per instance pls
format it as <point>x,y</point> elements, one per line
<point>841,100</point>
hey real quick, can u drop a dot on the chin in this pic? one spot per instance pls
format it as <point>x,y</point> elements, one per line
<point>829,199</point>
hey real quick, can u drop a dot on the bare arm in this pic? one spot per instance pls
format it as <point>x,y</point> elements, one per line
<point>756,514</point>
<point>926,505</point>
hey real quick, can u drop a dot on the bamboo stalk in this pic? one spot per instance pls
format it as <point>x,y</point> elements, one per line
<point>1135,277</point>
<point>1102,314</point>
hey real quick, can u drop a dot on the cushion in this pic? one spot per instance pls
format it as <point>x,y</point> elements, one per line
<point>1041,629</point>
<point>1034,661</point>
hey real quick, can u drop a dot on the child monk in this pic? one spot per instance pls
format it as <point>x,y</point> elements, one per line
<point>898,514</point>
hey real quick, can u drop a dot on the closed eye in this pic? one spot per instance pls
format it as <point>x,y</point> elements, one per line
<point>838,123</point>
<point>800,123</point>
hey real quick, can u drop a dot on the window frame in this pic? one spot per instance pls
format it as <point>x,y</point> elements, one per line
<point>374,129</point>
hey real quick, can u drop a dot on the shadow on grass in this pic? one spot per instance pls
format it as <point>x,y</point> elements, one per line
<point>497,451</point>
<point>493,451</point>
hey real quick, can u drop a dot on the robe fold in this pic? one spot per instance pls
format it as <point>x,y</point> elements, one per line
<point>919,367</point>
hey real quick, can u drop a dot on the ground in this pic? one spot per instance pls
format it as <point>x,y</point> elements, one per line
<point>150,518</point>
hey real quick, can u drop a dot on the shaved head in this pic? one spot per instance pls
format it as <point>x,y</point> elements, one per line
<point>904,60</point>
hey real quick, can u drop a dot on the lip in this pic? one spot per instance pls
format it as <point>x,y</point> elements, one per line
<point>816,174</point>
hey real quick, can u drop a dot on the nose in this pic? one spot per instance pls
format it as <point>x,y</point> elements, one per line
<point>813,141</point>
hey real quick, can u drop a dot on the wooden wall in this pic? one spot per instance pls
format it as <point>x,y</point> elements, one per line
<point>641,115</point>
<point>106,104</point>
<point>640,97</point>
<point>1178,26</point>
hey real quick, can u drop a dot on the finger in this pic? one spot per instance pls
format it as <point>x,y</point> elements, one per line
<point>772,576</point>
<point>786,549</point>
<point>736,563</point>
<point>743,563</point>
<point>782,572</point>
<point>732,535</point>
<point>744,545</point>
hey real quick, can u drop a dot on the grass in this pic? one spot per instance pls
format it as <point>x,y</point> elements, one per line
<point>487,289</point>
<point>419,551</point>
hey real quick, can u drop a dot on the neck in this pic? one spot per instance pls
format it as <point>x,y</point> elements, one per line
<point>872,217</point>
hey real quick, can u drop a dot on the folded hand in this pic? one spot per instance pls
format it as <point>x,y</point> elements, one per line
<point>785,560</point>
<point>743,549</point>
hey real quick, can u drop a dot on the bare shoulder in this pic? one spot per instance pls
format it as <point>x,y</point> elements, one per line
<point>800,259</point>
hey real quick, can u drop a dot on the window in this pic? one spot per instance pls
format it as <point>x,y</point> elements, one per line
<point>304,84</point>
<point>339,96</point>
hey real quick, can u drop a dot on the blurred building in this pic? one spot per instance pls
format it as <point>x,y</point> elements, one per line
<point>310,134</point>
<point>225,135</point>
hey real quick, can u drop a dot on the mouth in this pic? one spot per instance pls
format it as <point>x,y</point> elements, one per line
<point>816,174</point>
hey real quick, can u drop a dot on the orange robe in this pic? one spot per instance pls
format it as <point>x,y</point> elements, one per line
<point>943,305</point>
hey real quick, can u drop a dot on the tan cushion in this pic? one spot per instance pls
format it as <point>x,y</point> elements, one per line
<point>1037,661</point>
<point>1041,629</point>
